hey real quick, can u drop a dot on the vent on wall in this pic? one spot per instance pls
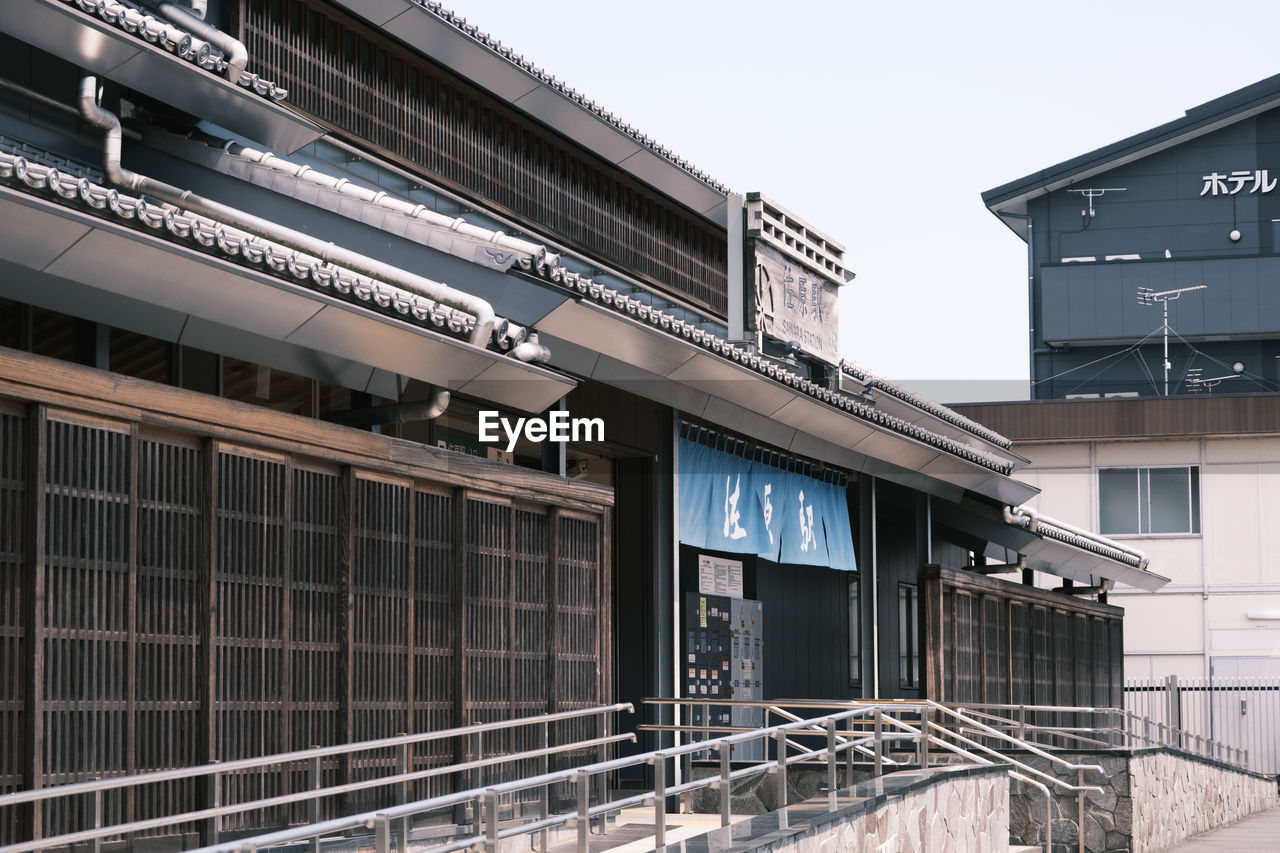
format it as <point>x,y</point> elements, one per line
<point>794,238</point>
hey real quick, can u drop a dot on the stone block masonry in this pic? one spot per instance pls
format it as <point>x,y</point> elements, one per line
<point>1151,799</point>
<point>941,810</point>
<point>1176,796</point>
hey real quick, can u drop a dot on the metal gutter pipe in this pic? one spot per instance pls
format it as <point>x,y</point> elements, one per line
<point>1029,519</point>
<point>236,54</point>
<point>95,115</point>
<point>398,413</point>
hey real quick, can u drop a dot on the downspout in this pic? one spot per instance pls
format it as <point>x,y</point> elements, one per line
<point>236,54</point>
<point>1031,299</point>
<point>95,115</point>
<point>398,413</point>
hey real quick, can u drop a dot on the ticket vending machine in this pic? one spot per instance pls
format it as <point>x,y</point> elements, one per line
<point>723,656</point>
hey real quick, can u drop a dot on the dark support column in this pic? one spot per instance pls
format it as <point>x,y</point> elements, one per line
<point>1029,577</point>
<point>131,642</point>
<point>346,616</point>
<point>553,609</point>
<point>554,457</point>
<point>459,638</point>
<point>665,514</point>
<point>207,738</point>
<point>33,595</point>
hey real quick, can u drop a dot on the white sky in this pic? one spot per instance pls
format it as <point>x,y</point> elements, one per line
<point>882,123</point>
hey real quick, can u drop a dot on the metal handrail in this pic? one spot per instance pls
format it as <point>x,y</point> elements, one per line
<point>298,755</point>
<point>1169,736</point>
<point>97,787</point>
<point>380,820</point>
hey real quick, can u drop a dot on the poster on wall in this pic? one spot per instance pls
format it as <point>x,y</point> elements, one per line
<point>718,576</point>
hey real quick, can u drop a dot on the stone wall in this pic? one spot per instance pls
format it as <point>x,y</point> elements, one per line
<point>941,810</point>
<point>1176,796</point>
<point>1150,800</point>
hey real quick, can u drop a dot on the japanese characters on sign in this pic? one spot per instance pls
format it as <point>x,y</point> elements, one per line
<point>795,304</point>
<point>727,503</point>
<point>1257,180</point>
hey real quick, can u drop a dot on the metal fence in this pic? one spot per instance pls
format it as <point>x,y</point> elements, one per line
<point>1242,712</point>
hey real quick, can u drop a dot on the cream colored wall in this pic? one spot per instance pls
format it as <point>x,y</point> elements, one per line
<point>1217,577</point>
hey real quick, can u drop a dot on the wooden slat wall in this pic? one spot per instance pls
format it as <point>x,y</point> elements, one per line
<point>193,605</point>
<point>993,641</point>
<point>353,78</point>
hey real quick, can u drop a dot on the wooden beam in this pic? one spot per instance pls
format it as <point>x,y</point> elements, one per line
<point>33,598</point>
<point>38,379</point>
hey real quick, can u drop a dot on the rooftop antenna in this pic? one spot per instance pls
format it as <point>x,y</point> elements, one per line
<point>1196,381</point>
<point>1095,192</point>
<point>1147,296</point>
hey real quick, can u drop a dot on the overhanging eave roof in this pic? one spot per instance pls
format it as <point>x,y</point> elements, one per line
<point>1042,553</point>
<point>96,46</point>
<point>211,303</point>
<point>618,350</point>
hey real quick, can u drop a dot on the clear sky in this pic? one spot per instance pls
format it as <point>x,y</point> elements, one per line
<point>882,123</point>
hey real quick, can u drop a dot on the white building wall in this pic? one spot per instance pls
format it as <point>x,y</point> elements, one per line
<point>1218,578</point>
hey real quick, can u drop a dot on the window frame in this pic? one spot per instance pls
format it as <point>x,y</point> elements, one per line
<point>1144,505</point>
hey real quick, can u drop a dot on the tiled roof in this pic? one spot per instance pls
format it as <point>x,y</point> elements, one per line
<point>503,251</point>
<point>612,298</point>
<point>866,377</point>
<point>460,23</point>
<point>173,39</point>
<point>41,177</point>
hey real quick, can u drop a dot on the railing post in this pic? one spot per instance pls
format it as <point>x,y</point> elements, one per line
<point>477,813</point>
<point>878,743</point>
<point>1080,808</point>
<point>382,834</point>
<point>583,779</point>
<point>832,757</point>
<point>1173,696</point>
<point>924,739</point>
<point>602,781</point>
<point>313,805</point>
<point>544,799</point>
<point>213,826</point>
<point>781,738</point>
<point>659,801</point>
<point>491,825</point>
<point>725,786</point>
<point>1048,821</point>
<point>1022,723</point>
<point>1148,730</point>
<point>402,796</point>
<point>97,820</point>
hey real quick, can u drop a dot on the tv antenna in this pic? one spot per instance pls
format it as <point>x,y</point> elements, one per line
<point>1147,296</point>
<point>1197,381</point>
<point>1095,192</point>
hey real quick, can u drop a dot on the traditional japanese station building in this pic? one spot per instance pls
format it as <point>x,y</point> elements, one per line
<point>265,308</point>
